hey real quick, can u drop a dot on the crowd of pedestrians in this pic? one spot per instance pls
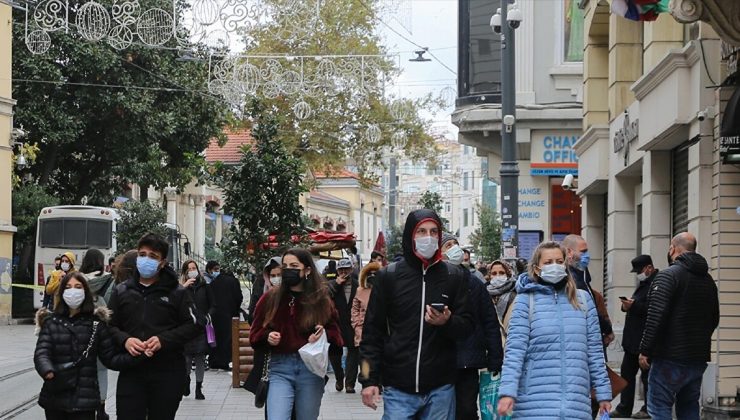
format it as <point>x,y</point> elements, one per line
<point>425,334</point>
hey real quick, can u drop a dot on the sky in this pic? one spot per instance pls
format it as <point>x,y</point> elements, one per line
<point>433,24</point>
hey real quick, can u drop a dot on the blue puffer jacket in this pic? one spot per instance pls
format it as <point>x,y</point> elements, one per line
<point>552,362</point>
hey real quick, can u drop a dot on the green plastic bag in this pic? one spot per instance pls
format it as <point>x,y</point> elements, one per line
<point>488,395</point>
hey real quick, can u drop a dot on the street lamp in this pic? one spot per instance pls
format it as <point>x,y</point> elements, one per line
<point>509,172</point>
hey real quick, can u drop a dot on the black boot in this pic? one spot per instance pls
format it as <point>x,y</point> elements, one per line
<point>100,414</point>
<point>186,391</point>
<point>199,391</point>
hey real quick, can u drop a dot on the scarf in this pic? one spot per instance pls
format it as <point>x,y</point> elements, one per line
<point>501,292</point>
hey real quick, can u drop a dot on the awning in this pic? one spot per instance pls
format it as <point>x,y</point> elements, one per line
<point>729,133</point>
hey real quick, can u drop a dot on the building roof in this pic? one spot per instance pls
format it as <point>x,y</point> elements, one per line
<point>344,173</point>
<point>231,150</point>
<point>326,198</point>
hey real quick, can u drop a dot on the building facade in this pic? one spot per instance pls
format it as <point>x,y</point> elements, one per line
<point>549,92</point>
<point>6,162</point>
<point>654,162</point>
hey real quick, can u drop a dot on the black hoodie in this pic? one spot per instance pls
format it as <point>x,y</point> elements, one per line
<point>164,309</point>
<point>398,347</point>
<point>683,312</point>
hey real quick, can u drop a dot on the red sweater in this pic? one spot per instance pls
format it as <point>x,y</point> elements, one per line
<point>292,337</point>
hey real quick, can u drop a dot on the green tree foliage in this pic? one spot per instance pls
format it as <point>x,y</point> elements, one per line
<point>432,201</point>
<point>335,133</point>
<point>104,118</point>
<point>262,194</point>
<point>138,218</point>
<point>486,239</point>
<point>27,202</point>
<point>395,239</point>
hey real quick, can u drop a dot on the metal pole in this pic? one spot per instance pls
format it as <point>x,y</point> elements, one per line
<point>392,194</point>
<point>509,168</point>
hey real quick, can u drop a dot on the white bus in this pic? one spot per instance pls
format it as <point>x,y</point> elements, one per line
<point>75,229</point>
<point>79,228</point>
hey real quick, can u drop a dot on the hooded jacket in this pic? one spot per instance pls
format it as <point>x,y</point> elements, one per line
<point>362,297</point>
<point>50,292</point>
<point>398,348</point>
<point>554,355</point>
<point>683,312</point>
<point>164,309</point>
<point>258,287</point>
<point>63,340</point>
<point>202,297</point>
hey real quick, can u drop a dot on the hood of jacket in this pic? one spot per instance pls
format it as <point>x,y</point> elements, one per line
<point>693,262</point>
<point>101,312</point>
<point>414,219</point>
<point>525,284</point>
<point>372,266</point>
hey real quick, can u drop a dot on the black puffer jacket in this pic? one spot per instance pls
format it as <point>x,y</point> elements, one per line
<point>399,347</point>
<point>164,309</point>
<point>201,294</point>
<point>62,340</point>
<point>683,312</point>
<point>482,348</point>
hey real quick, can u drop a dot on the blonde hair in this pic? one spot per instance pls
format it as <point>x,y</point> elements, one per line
<point>570,286</point>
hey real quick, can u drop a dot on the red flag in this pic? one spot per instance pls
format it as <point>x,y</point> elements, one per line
<point>380,245</point>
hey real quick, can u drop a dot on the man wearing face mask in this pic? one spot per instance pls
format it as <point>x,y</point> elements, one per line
<point>343,290</point>
<point>417,310</point>
<point>682,314</point>
<point>466,263</point>
<point>227,294</point>
<point>482,349</point>
<point>634,325</point>
<point>578,259</point>
<point>153,318</point>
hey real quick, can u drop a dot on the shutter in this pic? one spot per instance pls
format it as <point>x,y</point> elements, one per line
<point>680,189</point>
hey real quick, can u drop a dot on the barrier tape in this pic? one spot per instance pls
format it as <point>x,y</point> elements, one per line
<point>29,286</point>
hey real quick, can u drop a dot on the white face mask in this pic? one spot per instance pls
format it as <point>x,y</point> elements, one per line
<point>74,297</point>
<point>65,266</point>
<point>426,246</point>
<point>642,277</point>
<point>192,274</point>
<point>553,273</point>
<point>276,281</point>
<point>498,279</point>
<point>455,255</point>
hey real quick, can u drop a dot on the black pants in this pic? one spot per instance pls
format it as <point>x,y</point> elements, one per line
<point>63,415</point>
<point>466,394</point>
<point>149,393</point>
<point>353,361</point>
<point>630,367</point>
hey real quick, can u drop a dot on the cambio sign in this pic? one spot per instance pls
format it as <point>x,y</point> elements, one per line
<point>553,154</point>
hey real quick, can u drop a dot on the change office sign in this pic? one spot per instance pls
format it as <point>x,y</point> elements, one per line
<point>553,154</point>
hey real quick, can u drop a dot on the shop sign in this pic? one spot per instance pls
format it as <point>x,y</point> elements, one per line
<point>730,55</point>
<point>553,154</point>
<point>627,134</point>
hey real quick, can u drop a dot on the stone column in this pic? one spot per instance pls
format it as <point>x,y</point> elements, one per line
<point>6,167</point>
<point>660,37</point>
<point>592,214</point>
<point>596,66</point>
<point>199,236</point>
<point>625,62</point>
<point>218,237</point>
<point>171,196</point>
<point>188,216</point>
<point>621,241</point>
<point>656,205</point>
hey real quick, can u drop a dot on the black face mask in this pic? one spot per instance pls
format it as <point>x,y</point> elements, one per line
<point>292,277</point>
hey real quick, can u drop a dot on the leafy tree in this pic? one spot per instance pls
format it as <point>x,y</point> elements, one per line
<point>486,239</point>
<point>336,132</point>
<point>395,238</point>
<point>262,194</point>
<point>432,201</point>
<point>28,200</point>
<point>138,218</point>
<point>104,118</point>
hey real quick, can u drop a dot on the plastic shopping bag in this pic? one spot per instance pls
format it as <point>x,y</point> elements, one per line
<point>210,333</point>
<point>316,355</point>
<point>488,394</point>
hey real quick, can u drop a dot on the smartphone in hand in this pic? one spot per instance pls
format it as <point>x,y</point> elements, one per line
<point>439,307</point>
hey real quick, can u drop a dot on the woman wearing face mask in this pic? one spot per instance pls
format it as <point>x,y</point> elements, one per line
<point>67,265</point>
<point>553,351</point>
<point>76,333</point>
<point>501,287</point>
<point>197,348</point>
<point>285,319</point>
<point>271,277</point>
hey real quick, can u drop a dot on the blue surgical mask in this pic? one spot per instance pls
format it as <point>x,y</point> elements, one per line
<point>552,273</point>
<point>427,246</point>
<point>147,267</point>
<point>455,255</point>
<point>583,262</point>
<point>214,274</point>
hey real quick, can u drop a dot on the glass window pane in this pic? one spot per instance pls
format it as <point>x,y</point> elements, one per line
<point>485,49</point>
<point>74,233</point>
<point>573,31</point>
<point>51,232</point>
<point>98,234</point>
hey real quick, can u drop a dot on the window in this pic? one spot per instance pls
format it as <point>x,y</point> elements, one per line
<point>465,181</point>
<point>76,233</point>
<point>465,217</point>
<point>572,31</point>
<point>472,180</point>
<point>448,207</point>
<point>480,50</point>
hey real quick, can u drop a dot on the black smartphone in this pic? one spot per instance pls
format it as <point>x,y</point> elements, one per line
<point>439,307</point>
<point>623,297</point>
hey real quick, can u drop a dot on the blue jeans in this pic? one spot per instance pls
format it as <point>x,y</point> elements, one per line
<point>292,383</point>
<point>674,383</point>
<point>438,404</point>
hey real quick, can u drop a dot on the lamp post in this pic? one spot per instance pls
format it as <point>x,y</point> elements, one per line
<point>505,22</point>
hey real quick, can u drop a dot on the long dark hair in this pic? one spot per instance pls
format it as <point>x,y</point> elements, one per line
<point>93,261</point>
<point>125,266</point>
<point>316,305</point>
<point>184,270</point>
<point>87,307</point>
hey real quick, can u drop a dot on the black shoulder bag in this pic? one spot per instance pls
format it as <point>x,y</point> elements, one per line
<point>67,374</point>
<point>260,394</point>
